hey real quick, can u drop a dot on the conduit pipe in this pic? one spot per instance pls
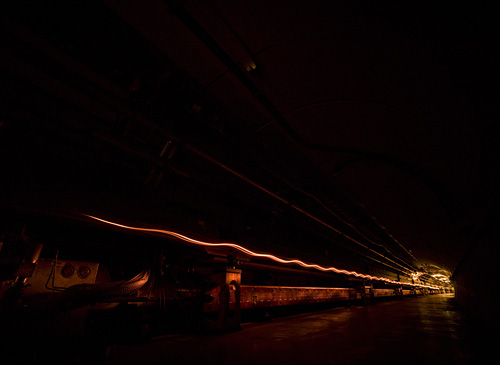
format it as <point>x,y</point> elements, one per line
<point>177,9</point>
<point>110,290</point>
<point>300,210</point>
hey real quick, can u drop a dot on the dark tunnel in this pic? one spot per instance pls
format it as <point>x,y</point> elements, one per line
<point>233,181</point>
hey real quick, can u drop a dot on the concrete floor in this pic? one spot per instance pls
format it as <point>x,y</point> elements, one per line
<point>417,330</point>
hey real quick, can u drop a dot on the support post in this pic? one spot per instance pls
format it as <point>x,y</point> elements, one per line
<point>363,293</point>
<point>229,319</point>
<point>372,294</point>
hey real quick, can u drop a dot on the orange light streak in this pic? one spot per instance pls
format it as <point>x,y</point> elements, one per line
<point>255,254</point>
<point>293,206</point>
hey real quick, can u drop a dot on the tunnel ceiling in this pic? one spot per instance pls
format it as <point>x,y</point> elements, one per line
<point>380,113</point>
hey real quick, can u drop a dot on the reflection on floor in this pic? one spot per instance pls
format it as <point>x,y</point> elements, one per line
<point>418,330</point>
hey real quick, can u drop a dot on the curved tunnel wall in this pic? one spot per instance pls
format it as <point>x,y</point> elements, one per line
<point>475,280</point>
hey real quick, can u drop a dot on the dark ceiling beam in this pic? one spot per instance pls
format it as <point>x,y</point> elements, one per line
<point>120,107</point>
<point>177,9</point>
<point>442,193</point>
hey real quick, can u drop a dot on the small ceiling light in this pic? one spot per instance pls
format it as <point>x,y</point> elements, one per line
<point>250,66</point>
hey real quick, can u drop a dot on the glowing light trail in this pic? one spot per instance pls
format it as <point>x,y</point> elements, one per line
<point>293,206</point>
<point>255,254</point>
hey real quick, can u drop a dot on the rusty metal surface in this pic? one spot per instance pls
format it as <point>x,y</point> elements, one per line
<point>275,296</point>
<point>272,296</point>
